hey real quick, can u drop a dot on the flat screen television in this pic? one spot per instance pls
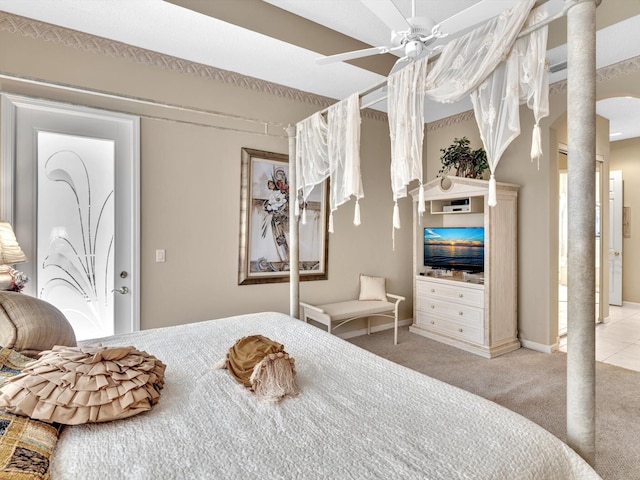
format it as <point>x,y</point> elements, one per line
<point>454,248</point>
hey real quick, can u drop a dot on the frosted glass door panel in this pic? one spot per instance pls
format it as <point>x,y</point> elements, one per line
<point>75,219</point>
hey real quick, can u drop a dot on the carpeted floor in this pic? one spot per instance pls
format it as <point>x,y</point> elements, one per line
<point>534,385</point>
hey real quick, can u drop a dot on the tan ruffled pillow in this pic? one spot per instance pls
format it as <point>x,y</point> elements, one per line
<point>74,385</point>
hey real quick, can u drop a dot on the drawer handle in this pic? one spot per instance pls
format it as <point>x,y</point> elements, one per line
<point>433,322</point>
<point>460,330</point>
<point>433,306</point>
<point>433,290</point>
<point>460,295</point>
<point>460,312</point>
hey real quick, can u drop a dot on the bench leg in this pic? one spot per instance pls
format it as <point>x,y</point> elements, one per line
<point>395,330</point>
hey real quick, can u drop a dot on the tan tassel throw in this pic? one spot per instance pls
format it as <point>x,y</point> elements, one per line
<point>74,385</point>
<point>262,365</point>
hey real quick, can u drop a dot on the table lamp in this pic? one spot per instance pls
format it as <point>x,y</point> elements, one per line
<point>10,254</point>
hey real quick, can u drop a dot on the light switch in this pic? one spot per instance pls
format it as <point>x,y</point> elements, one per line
<point>160,256</point>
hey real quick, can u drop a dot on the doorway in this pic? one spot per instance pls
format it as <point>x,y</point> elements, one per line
<point>615,237</point>
<point>563,241</point>
<point>70,189</point>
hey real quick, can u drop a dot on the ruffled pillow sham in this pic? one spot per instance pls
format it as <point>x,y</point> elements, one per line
<point>75,385</point>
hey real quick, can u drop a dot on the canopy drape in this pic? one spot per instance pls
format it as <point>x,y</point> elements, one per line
<point>330,148</point>
<point>521,78</point>
<point>489,63</point>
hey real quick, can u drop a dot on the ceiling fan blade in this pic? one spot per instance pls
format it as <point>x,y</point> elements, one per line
<point>474,15</point>
<point>386,11</point>
<point>341,57</point>
<point>406,60</point>
<point>400,64</point>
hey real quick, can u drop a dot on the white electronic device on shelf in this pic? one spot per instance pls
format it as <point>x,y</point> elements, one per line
<point>456,208</point>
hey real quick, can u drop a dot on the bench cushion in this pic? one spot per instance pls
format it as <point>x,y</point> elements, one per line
<point>343,310</point>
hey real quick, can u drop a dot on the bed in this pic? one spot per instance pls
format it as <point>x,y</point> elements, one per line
<point>357,416</point>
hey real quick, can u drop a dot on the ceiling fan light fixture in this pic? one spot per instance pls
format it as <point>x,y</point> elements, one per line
<point>413,48</point>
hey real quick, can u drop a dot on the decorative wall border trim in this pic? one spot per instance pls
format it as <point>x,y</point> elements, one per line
<point>557,88</point>
<point>625,67</point>
<point>449,121</point>
<point>631,65</point>
<point>91,43</point>
<point>94,44</point>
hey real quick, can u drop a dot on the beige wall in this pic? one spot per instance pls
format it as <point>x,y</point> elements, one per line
<point>537,301</point>
<point>603,153</point>
<point>538,211</point>
<point>625,156</point>
<point>190,184</point>
<point>190,172</point>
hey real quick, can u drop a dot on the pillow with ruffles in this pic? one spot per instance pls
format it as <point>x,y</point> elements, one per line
<point>75,385</point>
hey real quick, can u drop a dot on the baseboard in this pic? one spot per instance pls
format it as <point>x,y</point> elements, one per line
<point>539,347</point>
<point>376,328</point>
<point>630,304</point>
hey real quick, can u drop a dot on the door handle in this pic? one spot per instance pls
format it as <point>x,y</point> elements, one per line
<point>121,290</point>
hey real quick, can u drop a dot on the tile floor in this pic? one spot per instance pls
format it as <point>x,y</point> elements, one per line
<point>618,340</point>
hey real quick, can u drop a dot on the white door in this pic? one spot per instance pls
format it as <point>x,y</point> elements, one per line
<point>615,237</point>
<point>69,188</point>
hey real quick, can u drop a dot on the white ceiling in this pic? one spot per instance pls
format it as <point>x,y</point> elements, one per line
<point>167,28</point>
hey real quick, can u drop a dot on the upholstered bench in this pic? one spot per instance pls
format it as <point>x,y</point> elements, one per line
<point>336,314</point>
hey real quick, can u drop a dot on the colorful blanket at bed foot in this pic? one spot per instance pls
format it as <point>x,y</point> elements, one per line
<point>26,445</point>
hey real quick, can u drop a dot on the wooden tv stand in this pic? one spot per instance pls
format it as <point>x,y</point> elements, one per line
<point>474,312</point>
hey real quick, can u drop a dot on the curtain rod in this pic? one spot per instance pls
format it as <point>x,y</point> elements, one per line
<point>381,84</point>
<point>139,100</point>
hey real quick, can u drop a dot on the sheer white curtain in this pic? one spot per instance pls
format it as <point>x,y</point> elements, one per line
<point>489,63</point>
<point>521,78</point>
<point>312,155</point>
<point>534,76</point>
<point>466,62</point>
<point>344,156</point>
<point>496,69</point>
<point>331,149</point>
<point>406,90</point>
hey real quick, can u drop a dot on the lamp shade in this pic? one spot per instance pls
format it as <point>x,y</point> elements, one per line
<point>10,251</point>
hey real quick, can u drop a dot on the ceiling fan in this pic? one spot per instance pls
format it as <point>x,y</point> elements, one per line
<point>417,36</point>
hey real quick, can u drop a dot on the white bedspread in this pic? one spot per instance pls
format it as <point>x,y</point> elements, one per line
<point>358,416</point>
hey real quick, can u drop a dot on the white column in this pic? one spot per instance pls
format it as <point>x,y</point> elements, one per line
<point>581,120</point>
<point>294,251</point>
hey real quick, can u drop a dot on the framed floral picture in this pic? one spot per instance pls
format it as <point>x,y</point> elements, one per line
<point>264,223</point>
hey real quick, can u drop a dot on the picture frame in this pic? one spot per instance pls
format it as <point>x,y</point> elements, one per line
<point>264,222</point>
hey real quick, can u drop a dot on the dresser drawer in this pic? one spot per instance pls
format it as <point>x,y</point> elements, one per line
<point>442,308</point>
<point>460,329</point>
<point>465,294</point>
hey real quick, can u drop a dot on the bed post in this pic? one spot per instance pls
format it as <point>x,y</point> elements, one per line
<point>581,120</point>
<point>294,252</point>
